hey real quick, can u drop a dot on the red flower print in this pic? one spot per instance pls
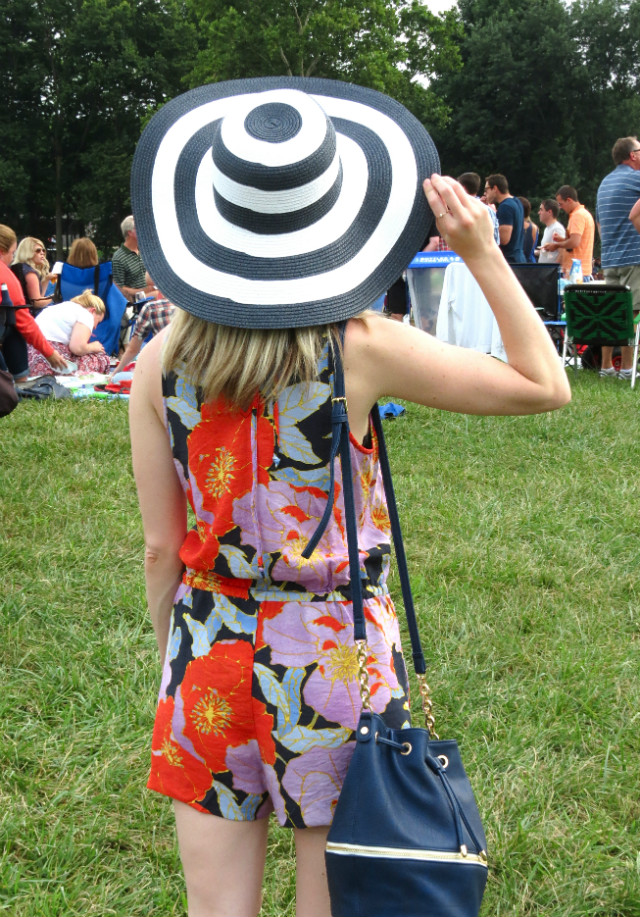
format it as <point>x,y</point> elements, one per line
<point>219,711</point>
<point>223,449</point>
<point>175,771</point>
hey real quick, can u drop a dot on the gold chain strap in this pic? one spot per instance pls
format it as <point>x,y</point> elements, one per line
<point>363,674</point>
<point>365,694</point>
<point>427,706</point>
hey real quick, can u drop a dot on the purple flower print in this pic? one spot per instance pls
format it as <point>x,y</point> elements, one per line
<point>314,780</point>
<point>252,775</point>
<point>244,763</point>
<point>282,519</point>
<point>307,633</point>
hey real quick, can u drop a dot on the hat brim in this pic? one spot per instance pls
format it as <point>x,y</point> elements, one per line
<point>328,271</point>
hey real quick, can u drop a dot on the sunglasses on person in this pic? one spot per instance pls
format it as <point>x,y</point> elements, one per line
<point>38,251</point>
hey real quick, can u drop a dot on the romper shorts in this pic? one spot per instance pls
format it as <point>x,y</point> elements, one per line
<point>259,699</point>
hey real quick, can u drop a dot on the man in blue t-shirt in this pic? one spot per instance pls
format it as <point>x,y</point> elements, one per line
<point>510,214</point>
<point>617,194</point>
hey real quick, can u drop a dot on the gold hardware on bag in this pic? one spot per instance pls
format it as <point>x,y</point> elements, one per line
<point>427,706</point>
<point>400,853</point>
<point>363,675</point>
<point>444,761</point>
<point>341,398</point>
<point>405,748</point>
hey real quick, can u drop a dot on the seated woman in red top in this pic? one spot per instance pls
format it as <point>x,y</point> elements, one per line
<point>13,347</point>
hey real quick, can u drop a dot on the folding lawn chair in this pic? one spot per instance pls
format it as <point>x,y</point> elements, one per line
<point>600,314</point>
<point>540,283</point>
<point>75,280</point>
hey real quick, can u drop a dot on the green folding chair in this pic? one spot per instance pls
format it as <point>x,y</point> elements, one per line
<point>599,314</point>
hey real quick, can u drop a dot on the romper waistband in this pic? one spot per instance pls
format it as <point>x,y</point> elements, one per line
<point>267,591</point>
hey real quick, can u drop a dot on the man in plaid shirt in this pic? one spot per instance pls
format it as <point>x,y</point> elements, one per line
<point>153,317</point>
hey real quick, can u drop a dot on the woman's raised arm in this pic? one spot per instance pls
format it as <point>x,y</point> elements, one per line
<point>393,359</point>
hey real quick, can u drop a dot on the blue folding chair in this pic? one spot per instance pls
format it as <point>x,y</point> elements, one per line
<point>75,280</point>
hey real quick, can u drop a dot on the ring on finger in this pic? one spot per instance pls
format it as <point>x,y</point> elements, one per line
<point>443,214</point>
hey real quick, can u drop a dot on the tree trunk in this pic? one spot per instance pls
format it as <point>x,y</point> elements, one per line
<point>58,161</point>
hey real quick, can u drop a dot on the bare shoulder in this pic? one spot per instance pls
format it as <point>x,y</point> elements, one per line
<point>374,336</point>
<point>377,347</point>
<point>146,389</point>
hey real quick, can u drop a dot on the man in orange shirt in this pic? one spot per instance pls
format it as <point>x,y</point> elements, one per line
<point>580,233</point>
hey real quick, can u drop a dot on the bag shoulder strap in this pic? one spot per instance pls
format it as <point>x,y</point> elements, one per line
<point>398,545</point>
<point>340,445</point>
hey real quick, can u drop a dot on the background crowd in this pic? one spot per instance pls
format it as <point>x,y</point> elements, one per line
<point>48,337</point>
<point>617,219</point>
<point>529,88</point>
<point>41,333</point>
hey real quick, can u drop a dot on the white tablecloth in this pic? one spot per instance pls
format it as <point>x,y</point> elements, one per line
<point>465,317</point>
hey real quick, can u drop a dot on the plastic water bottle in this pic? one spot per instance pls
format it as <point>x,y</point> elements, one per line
<point>575,274</point>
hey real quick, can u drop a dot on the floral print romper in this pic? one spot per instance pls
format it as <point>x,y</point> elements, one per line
<point>259,696</point>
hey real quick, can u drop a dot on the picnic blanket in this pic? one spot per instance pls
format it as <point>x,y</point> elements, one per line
<point>97,385</point>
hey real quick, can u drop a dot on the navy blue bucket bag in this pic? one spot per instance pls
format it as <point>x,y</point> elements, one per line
<point>406,839</point>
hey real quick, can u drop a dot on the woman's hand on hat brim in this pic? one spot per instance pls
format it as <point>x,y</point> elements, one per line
<point>463,221</point>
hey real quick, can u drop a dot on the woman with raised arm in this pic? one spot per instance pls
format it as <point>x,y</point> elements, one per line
<point>272,212</point>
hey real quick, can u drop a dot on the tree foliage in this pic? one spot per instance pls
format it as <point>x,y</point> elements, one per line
<point>544,91</point>
<point>383,44</point>
<point>84,74</point>
<point>607,37</point>
<point>537,89</point>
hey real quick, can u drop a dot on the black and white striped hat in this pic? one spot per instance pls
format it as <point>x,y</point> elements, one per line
<point>282,201</point>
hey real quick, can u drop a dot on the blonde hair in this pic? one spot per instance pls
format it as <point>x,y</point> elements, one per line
<point>24,255</point>
<point>239,362</point>
<point>83,253</point>
<point>90,301</point>
<point>7,237</point>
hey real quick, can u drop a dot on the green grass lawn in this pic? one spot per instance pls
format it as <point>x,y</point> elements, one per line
<point>523,539</point>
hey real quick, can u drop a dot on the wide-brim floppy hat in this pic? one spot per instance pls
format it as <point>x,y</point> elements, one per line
<point>280,201</point>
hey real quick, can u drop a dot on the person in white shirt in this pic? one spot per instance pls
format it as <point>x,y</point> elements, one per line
<point>548,213</point>
<point>69,326</point>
